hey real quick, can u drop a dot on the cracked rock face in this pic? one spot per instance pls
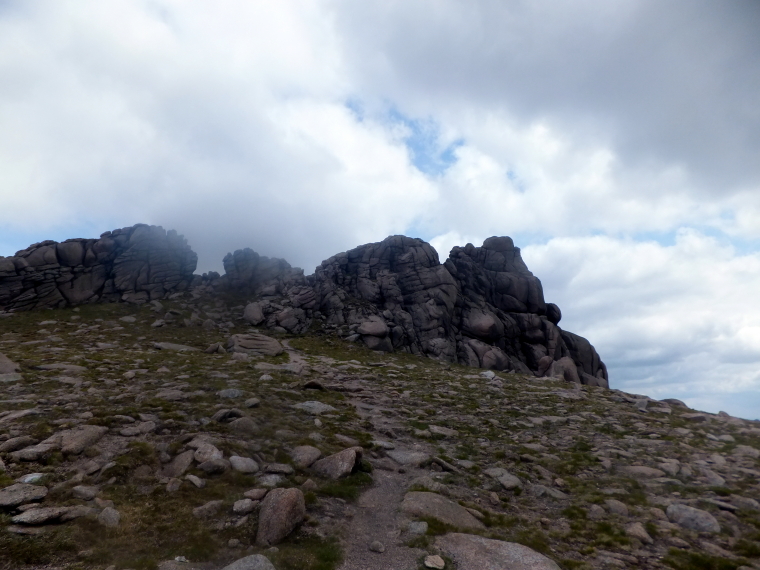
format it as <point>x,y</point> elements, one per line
<point>136,264</point>
<point>482,308</point>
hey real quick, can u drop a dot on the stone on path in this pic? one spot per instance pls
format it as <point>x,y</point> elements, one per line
<point>281,511</point>
<point>403,457</point>
<point>338,464</point>
<point>422,504</point>
<point>435,562</point>
<point>253,562</point>
<point>471,552</point>
<point>693,519</point>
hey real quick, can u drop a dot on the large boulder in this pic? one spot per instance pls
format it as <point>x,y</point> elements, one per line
<point>255,343</point>
<point>431,505</point>
<point>140,263</point>
<point>281,511</point>
<point>472,551</point>
<point>482,307</point>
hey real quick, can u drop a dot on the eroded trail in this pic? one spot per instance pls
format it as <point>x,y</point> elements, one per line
<point>377,519</point>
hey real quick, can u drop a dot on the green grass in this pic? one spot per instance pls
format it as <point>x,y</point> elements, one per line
<point>682,560</point>
<point>348,488</point>
<point>307,553</point>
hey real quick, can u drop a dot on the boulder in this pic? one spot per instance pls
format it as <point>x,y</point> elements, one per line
<point>281,511</point>
<point>254,314</point>
<point>472,551</point>
<point>422,504</point>
<point>338,464</point>
<point>7,366</point>
<point>75,441</point>
<point>692,519</point>
<point>20,494</point>
<point>254,343</point>
<point>304,456</point>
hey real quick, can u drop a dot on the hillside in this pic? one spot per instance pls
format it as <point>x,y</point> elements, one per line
<point>131,453</point>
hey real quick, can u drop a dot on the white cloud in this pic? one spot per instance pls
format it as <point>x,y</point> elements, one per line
<point>669,320</point>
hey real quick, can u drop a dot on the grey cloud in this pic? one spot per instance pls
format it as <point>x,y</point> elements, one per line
<point>661,82</point>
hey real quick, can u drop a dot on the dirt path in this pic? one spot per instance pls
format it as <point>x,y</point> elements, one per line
<point>376,518</point>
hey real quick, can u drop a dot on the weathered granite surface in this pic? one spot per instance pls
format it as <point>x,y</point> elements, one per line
<point>138,264</point>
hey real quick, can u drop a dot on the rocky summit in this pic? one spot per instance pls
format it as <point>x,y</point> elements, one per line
<point>387,412</point>
<point>482,307</point>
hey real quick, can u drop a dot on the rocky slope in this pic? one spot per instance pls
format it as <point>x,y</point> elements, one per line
<point>175,435</point>
<point>482,307</point>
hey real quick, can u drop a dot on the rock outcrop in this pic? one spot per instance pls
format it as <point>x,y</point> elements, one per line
<point>139,264</point>
<point>482,307</point>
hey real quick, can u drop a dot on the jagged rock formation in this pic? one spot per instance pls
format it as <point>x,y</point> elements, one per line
<point>140,263</point>
<point>482,307</point>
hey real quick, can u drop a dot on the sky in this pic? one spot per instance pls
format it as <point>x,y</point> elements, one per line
<point>618,144</point>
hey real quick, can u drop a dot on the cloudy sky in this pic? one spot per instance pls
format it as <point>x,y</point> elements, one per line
<point>618,143</point>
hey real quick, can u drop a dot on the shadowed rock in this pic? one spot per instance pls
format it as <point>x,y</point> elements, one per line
<point>281,511</point>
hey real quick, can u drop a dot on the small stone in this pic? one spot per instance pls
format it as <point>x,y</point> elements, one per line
<point>173,485</point>
<point>31,478</point>
<point>595,512</point>
<point>253,562</point>
<point>207,510</point>
<point>244,506</point>
<point>109,517</point>
<point>377,546</point>
<point>617,507</point>
<point>229,393</point>
<point>434,561</point>
<point>315,408</point>
<point>206,452</point>
<point>243,464</point>
<point>214,466</point>
<point>252,403</point>
<point>637,530</point>
<point>197,481</point>
<point>84,492</point>
<point>256,494</point>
